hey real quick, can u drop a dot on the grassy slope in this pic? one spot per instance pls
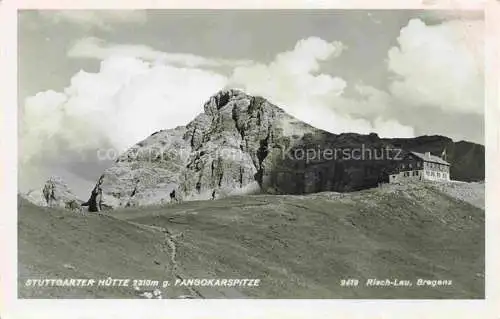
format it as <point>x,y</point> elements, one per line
<point>299,246</point>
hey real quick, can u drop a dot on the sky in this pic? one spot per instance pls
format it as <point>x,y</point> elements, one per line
<point>94,80</point>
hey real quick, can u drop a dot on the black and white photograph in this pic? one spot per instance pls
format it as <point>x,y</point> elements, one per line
<point>251,154</point>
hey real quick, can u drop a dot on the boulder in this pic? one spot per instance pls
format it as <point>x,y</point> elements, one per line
<point>54,193</point>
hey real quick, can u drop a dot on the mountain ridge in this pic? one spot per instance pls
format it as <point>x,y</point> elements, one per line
<point>241,144</point>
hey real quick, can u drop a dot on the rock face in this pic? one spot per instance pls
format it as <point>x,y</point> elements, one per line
<point>226,150</point>
<point>55,193</point>
<point>243,144</point>
<point>95,201</point>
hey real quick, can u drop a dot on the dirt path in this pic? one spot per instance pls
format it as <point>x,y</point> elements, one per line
<point>170,242</point>
<point>169,246</point>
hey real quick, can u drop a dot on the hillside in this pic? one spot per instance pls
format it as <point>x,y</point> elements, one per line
<point>243,144</point>
<point>299,246</point>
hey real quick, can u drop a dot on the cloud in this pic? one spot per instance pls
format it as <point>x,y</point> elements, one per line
<point>96,48</point>
<point>440,66</point>
<point>292,81</point>
<point>289,78</point>
<point>387,127</point>
<point>125,101</point>
<point>129,97</point>
<point>102,19</point>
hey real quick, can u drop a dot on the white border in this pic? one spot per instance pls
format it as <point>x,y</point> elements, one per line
<point>11,307</point>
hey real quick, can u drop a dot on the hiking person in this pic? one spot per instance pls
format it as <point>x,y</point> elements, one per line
<point>173,197</point>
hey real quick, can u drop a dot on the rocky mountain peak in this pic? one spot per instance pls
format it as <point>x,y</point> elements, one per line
<point>241,144</point>
<point>222,98</point>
